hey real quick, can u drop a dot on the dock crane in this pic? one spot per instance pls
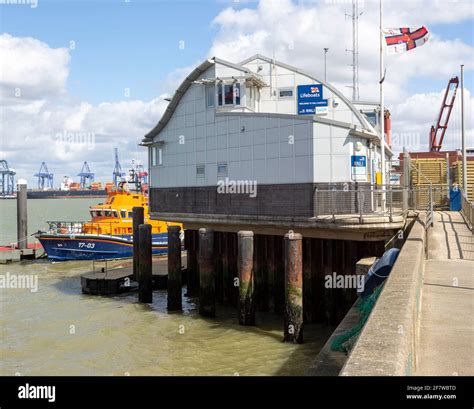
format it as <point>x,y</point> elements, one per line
<point>87,177</point>
<point>443,117</point>
<point>45,177</point>
<point>8,178</point>
<point>117,174</point>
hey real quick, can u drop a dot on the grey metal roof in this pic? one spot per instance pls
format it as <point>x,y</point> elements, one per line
<point>198,71</point>
<point>195,75</point>
<point>341,96</point>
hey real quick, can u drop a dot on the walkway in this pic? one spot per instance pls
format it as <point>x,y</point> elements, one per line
<point>446,339</point>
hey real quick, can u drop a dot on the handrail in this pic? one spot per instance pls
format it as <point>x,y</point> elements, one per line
<point>467,209</point>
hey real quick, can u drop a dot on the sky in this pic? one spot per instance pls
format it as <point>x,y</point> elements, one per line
<point>81,77</point>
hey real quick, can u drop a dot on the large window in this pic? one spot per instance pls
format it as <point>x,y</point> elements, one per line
<point>228,94</point>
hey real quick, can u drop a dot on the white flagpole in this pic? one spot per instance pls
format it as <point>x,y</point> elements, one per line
<point>382,108</point>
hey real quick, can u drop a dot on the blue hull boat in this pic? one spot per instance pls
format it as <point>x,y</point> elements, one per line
<point>96,247</point>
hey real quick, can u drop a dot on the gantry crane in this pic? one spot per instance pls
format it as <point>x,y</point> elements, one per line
<point>45,177</point>
<point>117,174</point>
<point>443,117</point>
<point>7,177</point>
<point>87,177</point>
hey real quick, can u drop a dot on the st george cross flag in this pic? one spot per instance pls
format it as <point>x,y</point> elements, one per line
<point>400,40</point>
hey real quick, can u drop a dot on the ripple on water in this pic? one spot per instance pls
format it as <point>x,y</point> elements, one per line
<point>59,331</point>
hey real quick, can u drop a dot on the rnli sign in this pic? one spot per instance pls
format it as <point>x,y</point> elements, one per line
<point>310,100</point>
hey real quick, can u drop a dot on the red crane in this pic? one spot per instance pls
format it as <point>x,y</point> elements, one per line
<point>444,114</point>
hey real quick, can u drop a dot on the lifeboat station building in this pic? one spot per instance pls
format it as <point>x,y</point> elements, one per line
<point>263,142</point>
<point>260,150</point>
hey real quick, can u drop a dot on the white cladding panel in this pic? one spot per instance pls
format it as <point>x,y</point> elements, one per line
<point>265,148</point>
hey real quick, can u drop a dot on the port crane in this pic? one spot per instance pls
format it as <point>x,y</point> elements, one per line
<point>8,178</point>
<point>443,117</point>
<point>117,174</point>
<point>87,177</point>
<point>45,177</point>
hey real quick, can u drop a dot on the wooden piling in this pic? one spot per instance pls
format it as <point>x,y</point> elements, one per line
<point>329,292</point>
<point>145,279</point>
<point>227,282</point>
<point>22,216</point>
<point>307,280</point>
<point>233,270</point>
<point>245,261</point>
<point>279,278</point>
<point>174,269</point>
<point>271,270</point>
<point>218,267</point>
<point>192,262</point>
<point>319,312</point>
<point>260,273</point>
<point>293,331</point>
<point>207,280</point>
<point>138,218</point>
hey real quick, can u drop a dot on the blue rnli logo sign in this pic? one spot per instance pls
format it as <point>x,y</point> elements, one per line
<point>310,100</point>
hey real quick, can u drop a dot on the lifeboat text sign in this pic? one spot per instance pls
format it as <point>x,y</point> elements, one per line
<point>310,100</point>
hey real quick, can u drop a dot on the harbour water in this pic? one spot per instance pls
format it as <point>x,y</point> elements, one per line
<point>59,331</point>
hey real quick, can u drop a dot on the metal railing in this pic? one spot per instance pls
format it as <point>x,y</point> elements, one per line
<point>363,201</point>
<point>429,208</point>
<point>81,227</point>
<point>367,201</point>
<point>467,209</point>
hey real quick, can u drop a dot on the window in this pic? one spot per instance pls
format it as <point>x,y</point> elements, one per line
<point>222,169</point>
<point>285,93</point>
<point>160,156</point>
<point>372,116</point>
<point>210,96</point>
<point>123,214</point>
<point>200,170</point>
<point>130,215</point>
<point>156,156</point>
<point>236,93</point>
<point>219,94</point>
<point>251,97</point>
<point>228,94</point>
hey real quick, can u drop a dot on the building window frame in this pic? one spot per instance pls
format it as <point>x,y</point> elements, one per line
<point>286,89</point>
<point>200,170</point>
<point>210,97</point>
<point>235,89</point>
<point>222,169</point>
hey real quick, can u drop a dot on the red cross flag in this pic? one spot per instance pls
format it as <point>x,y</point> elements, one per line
<point>400,40</point>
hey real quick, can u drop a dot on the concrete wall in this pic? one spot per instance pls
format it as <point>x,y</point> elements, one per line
<point>386,345</point>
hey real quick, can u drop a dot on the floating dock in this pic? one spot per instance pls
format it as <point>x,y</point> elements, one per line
<point>9,254</point>
<point>118,280</point>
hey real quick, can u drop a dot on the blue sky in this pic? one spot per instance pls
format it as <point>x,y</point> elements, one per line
<point>119,45</point>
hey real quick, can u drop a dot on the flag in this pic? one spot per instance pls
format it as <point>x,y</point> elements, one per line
<point>404,39</point>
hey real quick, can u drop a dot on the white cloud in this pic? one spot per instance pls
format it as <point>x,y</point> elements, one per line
<point>30,69</point>
<point>44,124</point>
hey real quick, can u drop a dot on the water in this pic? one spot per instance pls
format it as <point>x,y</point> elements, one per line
<point>59,331</point>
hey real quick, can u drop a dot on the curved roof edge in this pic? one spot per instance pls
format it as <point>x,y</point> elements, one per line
<point>187,82</point>
<point>351,106</point>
